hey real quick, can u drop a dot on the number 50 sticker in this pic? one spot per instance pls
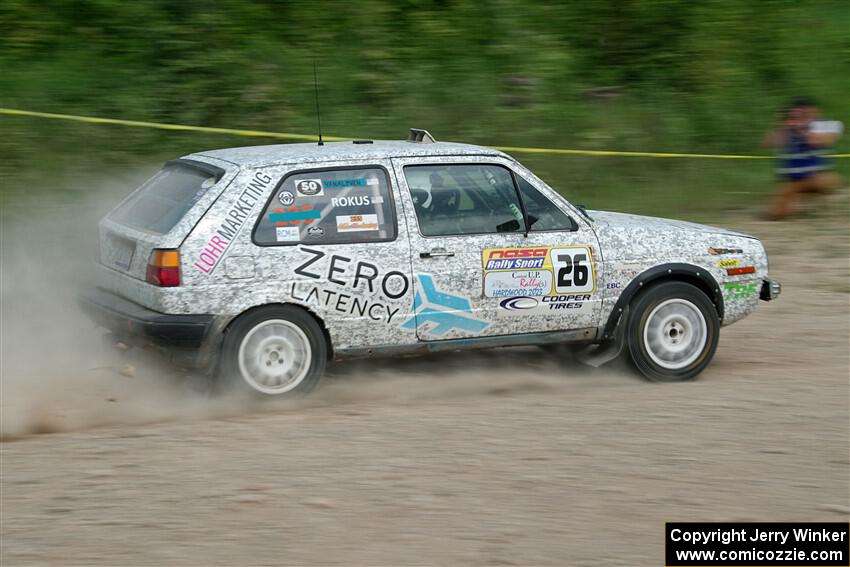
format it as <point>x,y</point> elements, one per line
<point>573,268</point>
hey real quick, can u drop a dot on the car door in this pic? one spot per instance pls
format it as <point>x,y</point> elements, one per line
<point>477,270</point>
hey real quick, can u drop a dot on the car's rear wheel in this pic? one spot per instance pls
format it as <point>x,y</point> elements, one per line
<point>274,351</point>
<point>673,332</point>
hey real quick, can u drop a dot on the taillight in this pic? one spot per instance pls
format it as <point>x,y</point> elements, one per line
<point>164,268</point>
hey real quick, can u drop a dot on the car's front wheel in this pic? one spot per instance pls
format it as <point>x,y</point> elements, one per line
<point>672,332</point>
<point>274,351</point>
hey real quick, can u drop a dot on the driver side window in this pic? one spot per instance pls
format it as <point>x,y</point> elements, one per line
<point>464,199</point>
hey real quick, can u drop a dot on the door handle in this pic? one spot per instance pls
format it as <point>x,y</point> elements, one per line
<point>436,254</point>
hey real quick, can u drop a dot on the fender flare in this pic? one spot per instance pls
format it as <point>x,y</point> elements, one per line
<point>689,273</point>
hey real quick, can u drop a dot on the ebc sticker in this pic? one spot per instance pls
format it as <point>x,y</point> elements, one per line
<point>286,198</point>
<point>309,187</point>
<point>356,223</point>
<point>217,244</point>
<point>315,231</point>
<point>350,287</point>
<point>539,271</point>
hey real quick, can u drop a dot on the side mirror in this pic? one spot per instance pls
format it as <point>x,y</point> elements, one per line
<point>508,226</point>
<point>419,196</point>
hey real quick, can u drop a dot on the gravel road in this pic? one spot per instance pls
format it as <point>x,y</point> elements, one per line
<point>509,457</point>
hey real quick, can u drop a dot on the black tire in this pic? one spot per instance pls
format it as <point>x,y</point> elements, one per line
<point>674,312</point>
<point>285,328</point>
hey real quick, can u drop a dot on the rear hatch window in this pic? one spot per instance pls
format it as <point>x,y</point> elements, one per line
<point>159,204</point>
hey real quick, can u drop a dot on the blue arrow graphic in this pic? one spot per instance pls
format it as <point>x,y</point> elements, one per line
<point>441,309</point>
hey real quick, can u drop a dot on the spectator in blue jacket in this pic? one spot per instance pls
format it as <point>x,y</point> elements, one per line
<point>802,140</point>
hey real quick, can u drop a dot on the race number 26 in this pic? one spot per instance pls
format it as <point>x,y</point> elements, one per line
<point>573,270</point>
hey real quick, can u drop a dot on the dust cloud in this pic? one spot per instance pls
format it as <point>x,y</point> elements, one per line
<point>58,372</point>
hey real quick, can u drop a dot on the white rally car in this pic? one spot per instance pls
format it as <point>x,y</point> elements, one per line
<point>261,264</point>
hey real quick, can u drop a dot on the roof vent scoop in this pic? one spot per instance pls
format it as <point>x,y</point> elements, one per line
<point>419,136</point>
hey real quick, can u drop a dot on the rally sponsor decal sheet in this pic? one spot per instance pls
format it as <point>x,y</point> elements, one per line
<point>548,279</point>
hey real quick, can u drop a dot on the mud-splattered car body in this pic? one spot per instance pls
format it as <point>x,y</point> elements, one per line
<point>395,247</point>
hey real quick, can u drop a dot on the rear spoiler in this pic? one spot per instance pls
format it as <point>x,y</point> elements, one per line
<point>213,170</point>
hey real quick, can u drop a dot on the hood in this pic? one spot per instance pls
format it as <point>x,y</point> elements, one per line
<point>627,221</point>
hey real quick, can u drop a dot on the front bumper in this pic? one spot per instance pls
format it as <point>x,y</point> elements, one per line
<point>770,289</point>
<point>133,321</point>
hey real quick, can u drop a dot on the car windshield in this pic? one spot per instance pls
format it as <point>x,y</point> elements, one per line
<point>162,201</point>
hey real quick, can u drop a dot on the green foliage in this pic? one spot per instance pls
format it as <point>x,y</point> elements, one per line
<point>665,75</point>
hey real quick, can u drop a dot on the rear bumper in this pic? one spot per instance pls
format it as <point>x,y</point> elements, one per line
<point>770,289</point>
<point>128,319</point>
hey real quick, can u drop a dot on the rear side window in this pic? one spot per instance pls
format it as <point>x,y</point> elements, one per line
<point>162,201</point>
<point>331,206</point>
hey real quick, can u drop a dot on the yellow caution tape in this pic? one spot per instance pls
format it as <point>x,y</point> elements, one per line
<point>312,138</point>
<point>164,126</point>
<point>625,154</point>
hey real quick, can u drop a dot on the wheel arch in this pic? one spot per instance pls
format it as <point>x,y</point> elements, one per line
<point>677,272</point>
<point>306,310</point>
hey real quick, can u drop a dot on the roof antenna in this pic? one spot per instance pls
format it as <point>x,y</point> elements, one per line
<point>318,114</point>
